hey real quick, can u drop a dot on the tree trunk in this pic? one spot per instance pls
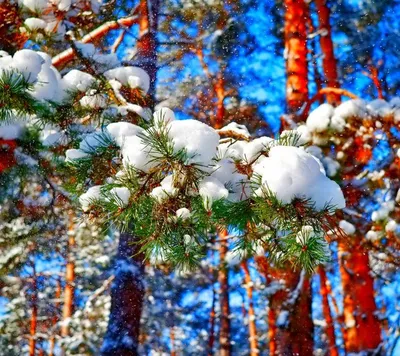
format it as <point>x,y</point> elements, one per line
<point>290,325</point>
<point>329,63</point>
<point>55,318</point>
<point>329,329</point>
<point>127,294</point>
<point>146,56</point>
<point>211,337</point>
<point>34,315</point>
<point>254,351</point>
<point>296,54</point>
<point>219,88</point>
<point>362,327</point>
<point>69,278</point>
<point>225,323</point>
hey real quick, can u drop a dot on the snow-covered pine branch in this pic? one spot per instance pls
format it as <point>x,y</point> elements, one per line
<point>172,182</point>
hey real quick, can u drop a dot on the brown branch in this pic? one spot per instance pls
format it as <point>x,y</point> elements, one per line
<point>118,41</point>
<point>68,55</point>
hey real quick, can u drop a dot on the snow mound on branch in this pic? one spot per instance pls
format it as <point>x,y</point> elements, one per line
<point>237,184</point>
<point>347,227</point>
<point>199,140</point>
<point>211,189</point>
<point>290,172</point>
<point>320,118</point>
<point>75,154</point>
<point>163,115</point>
<point>123,194</point>
<point>253,149</point>
<point>165,191</point>
<point>35,5</point>
<point>27,62</point>
<point>86,199</point>
<point>137,154</point>
<point>130,76</point>
<point>75,79</point>
<point>235,128</point>
<point>34,23</point>
<point>11,131</point>
<point>379,107</point>
<point>120,130</point>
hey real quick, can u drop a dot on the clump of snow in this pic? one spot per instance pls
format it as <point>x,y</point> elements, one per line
<point>199,140</point>
<point>94,100</point>
<point>383,212</point>
<point>163,116</point>
<point>391,226</point>
<point>233,258</point>
<point>11,131</point>
<point>28,63</point>
<point>165,191</point>
<point>123,194</point>
<point>347,227</point>
<point>305,134</point>
<point>75,79</point>
<point>34,23</point>
<point>232,149</point>
<point>211,189</point>
<point>379,107</point>
<point>75,154</point>
<point>235,128</point>
<point>319,119</point>
<point>120,130</point>
<point>137,154</point>
<point>183,213</point>
<point>372,235</point>
<point>254,148</point>
<point>304,235</point>
<point>130,76</point>
<point>35,5</point>
<point>237,183</point>
<point>290,172</point>
<point>86,199</point>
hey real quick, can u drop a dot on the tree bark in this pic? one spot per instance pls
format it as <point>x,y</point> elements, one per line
<point>296,54</point>
<point>69,289</point>
<point>362,327</point>
<point>253,338</point>
<point>225,323</point>
<point>290,325</point>
<point>34,315</point>
<point>329,63</point>
<point>127,294</point>
<point>329,329</point>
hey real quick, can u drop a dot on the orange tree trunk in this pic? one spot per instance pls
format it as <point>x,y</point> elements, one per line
<point>69,278</point>
<point>225,324</point>
<point>146,56</point>
<point>219,88</point>
<point>329,329</point>
<point>34,315</point>
<point>296,54</point>
<point>211,337</point>
<point>328,59</point>
<point>254,351</point>
<point>55,318</point>
<point>290,325</point>
<point>362,328</point>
